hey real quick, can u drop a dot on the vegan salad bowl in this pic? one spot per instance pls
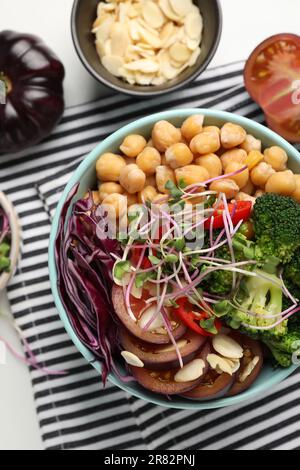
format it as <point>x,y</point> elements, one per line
<point>178,317</point>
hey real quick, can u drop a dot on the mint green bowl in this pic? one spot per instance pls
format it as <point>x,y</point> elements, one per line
<point>85,176</point>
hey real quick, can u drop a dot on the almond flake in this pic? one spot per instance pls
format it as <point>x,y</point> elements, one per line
<point>113,63</point>
<point>168,11</point>
<point>152,15</point>
<point>132,359</point>
<point>179,52</point>
<point>193,25</point>
<point>181,7</point>
<point>149,38</point>
<point>143,65</point>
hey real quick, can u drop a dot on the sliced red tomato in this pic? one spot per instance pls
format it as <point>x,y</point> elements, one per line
<point>239,211</point>
<point>135,257</point>
<point>187,313</point>
<point>272,75</point>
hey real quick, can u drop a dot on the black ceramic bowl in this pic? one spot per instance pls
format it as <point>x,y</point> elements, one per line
<point>83,16</point>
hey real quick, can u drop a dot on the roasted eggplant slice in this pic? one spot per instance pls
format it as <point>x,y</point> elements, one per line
<point>174,381</point>
<point>158,335</point>
<point>163,357</point>
<point>251,364</point>
<point>212,387</point>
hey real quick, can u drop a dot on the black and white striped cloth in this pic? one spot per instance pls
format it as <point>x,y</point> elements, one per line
<point>74,412</point>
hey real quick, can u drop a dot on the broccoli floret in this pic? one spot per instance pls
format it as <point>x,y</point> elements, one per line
<point>284,347</point>
<point>263,296</point>
<point>291,271</point>
<point>276,221</point>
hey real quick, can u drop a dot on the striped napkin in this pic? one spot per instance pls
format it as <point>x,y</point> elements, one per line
<point>74,412</point>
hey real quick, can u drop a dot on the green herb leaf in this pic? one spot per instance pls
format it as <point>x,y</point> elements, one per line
<point>142,278</point>
<point>4,263</point>
<point>175,192</point>
<point>222,309</point>
<point>132,217</point>
<point>171,259</point>
<point>179,244</point>
<point>154,260</point>
<point>121,268</point>
<point>209,325</point>
<point>172,303</point>
<point>182,184</point>
<point>4,249</point>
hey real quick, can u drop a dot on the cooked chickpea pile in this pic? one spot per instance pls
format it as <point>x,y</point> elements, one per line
<point>194,153</point>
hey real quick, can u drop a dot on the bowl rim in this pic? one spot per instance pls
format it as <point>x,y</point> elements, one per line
<point>15,239</point>
<point>280,374</point>
<point>152,92</point>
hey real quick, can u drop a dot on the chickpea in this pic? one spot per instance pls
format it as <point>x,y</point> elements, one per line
<point>163,175</point>
<point>249,188</point>
<point>159,199</point>
<point>133,145</point>
<point>115,205</point>
<point>232,135</point>
<point>282,182</point>
<point>245,197</point>
<point>192,126</point>
<point>132,178</point>
<point>206,142</point>
<point>149,143</point>
<point>192,174</point>
<point>148,160</point>
<point>296,193</point>
<point>109,167</point>
<point>212,163</point>
<point>226,186</point>
<point>276,157</point>
<point>214,129</point>
<point>105,189</point>
<point>261,173</point>
<point>164,134</point>
<point>131,199</point>
<point>242,178</point>
<point>149,193</point>
<point>178,155</point>
<point>250,144</point>
<point>235,155</point>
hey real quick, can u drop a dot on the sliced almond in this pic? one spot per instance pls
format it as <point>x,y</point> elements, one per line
<point>194,57</point>
<point>128,76</point>
<point>105,7</point>
<point>179,52</point>
<point>153,15</point>
<point>193,25</point>
<point>144,79</point>
<point>148,27</point>
<point>113,63</point>
<point>180,344</point>
<point>181,7</point>
<point>248,369</point>
<point>134,30</point>
<point>168,11</point>
<point>132,359</point>
<point>119,42</point>
<point>227,347</point>
<point>157,81</point>
<point>132,12</point>
<point>191,371</point>
<point>149,38</point>
<point>143,65</point>
<point>219,364</point>
<point>124,8</point>
<point>192,44</point>
<point>167,70</point>
<point>146,317</point>
<point>167,32</point>
<point>103,31</point>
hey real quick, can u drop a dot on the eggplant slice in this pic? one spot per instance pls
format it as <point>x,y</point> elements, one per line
<point>163,357</point>
<point>213,386</point>
<point>163,381</point>
<point>150,337</point>
<point>253,348</point>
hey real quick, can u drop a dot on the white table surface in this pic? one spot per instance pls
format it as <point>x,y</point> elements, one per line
<point>246,23</point>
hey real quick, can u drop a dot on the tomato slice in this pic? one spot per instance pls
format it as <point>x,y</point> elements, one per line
<point>135,257</point>
<point>272,75</point>
<point>187,314</point>
<point>239,211</point>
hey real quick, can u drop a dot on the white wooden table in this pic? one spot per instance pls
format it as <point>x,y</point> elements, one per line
<point>246,23</point>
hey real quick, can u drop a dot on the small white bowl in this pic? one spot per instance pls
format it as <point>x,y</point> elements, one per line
<point>15,239</point>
